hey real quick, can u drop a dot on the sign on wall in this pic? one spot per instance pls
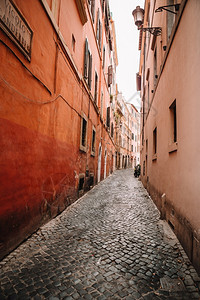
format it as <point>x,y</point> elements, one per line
<point>15,26</point>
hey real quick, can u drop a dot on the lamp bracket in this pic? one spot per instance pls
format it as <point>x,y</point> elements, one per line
<point>161,8</point>
<point>153,30</point>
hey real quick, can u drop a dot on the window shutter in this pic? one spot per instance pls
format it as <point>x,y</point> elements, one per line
<point>108,117</point>
<point>110,75</point>
<point>98,26</point>
<point>110,41</point>
<point>112,130</point>
<point>90,72</point>
<point>86,59</point>
<point>100,35</point>
<point>138,82</point>
<point>103,5</point>
<point>93,9</point>
<point>104,55</point>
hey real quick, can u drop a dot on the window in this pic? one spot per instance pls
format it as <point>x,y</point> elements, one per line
<point>104,55</point>
<point>83,141</point>
<point>92,8</point>
<point>132,136</point>
<point>101,108</point>
<point>93,141</point>
<point>96,88</point>
<point>110,75</point>
<point>155,141</point>
<point>173,123</point>
<point>108,117</point>
<point>170,18</point>
<point>148,95</point>
<point>81,182</point>
<point>87,65</point>
<point>146,146</point>
<point>132,148</point>
<point>102,5</point>
<point>73,43</point>
<point>112,130</point>
<point>99,30</point>
<point>155,67</point>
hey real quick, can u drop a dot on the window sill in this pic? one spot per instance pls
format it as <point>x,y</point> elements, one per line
<point>82,148</point>
<point>93,153</point>
<point>173,147</point>
<point>154,157</point>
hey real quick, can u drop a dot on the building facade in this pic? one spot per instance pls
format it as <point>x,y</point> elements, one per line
<point>134,125</point>
<point>127,124</point>
<point>58,64</point>
<point>169,79</point>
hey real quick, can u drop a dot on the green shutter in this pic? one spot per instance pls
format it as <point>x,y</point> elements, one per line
<point>90,72</point>
<point>85,60</point>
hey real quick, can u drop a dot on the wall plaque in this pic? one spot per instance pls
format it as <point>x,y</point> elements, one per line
<point>15,26</point>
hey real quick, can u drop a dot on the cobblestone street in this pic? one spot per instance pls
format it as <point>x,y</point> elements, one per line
<point>110,244</point>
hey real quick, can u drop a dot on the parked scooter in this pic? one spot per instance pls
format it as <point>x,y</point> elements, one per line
<point>137,171</point>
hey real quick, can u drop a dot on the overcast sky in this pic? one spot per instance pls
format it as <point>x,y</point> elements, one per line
<point>127,45</point>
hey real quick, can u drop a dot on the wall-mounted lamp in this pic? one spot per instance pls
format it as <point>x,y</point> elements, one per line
<point>138,15</point>
<point>161,8</point>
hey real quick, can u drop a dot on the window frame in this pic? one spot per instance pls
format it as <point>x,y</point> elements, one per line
<point>93,141</point>
<point>108,117</point>
<point>87,68</point>
<point>91,4</point>
<point>82,146</point>
<point>155,143</point>
<point>173,141</point>
<point>96,78</point>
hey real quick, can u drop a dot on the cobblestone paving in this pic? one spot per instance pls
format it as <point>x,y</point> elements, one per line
<point>110,244</point>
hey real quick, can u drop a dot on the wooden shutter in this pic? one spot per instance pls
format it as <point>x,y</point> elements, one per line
<point>85,60</point>
<point>138,82</point>
<point>110,40</point>
<point>100,35</point>
<point>93,9</point>
<point>104,55</point>
<point>90,72</point>
<point>96,88</point>
<point>97,26</point>
<point>108,117</point>
<point>110,75</point>
<point>102,3</point>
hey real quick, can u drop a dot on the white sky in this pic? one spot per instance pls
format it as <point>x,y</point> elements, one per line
<point>127,37</point>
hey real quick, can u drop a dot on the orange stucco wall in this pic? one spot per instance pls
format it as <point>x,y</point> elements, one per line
<point>40,120</point>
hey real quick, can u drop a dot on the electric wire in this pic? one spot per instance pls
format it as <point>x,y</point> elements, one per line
<point>2,42</point>
<point>39,102</point>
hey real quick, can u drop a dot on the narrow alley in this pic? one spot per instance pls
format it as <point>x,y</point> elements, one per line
<point>110,244</point>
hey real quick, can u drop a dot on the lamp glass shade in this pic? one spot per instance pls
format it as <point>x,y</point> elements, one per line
<point>138,15</point>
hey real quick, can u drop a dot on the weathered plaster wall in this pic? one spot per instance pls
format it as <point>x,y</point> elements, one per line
<point>40,123</point>
<point>176,174</point>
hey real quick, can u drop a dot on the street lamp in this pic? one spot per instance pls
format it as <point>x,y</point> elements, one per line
<point>138,15</point>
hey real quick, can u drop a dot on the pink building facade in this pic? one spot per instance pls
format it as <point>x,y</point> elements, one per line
<point>170,143</point>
